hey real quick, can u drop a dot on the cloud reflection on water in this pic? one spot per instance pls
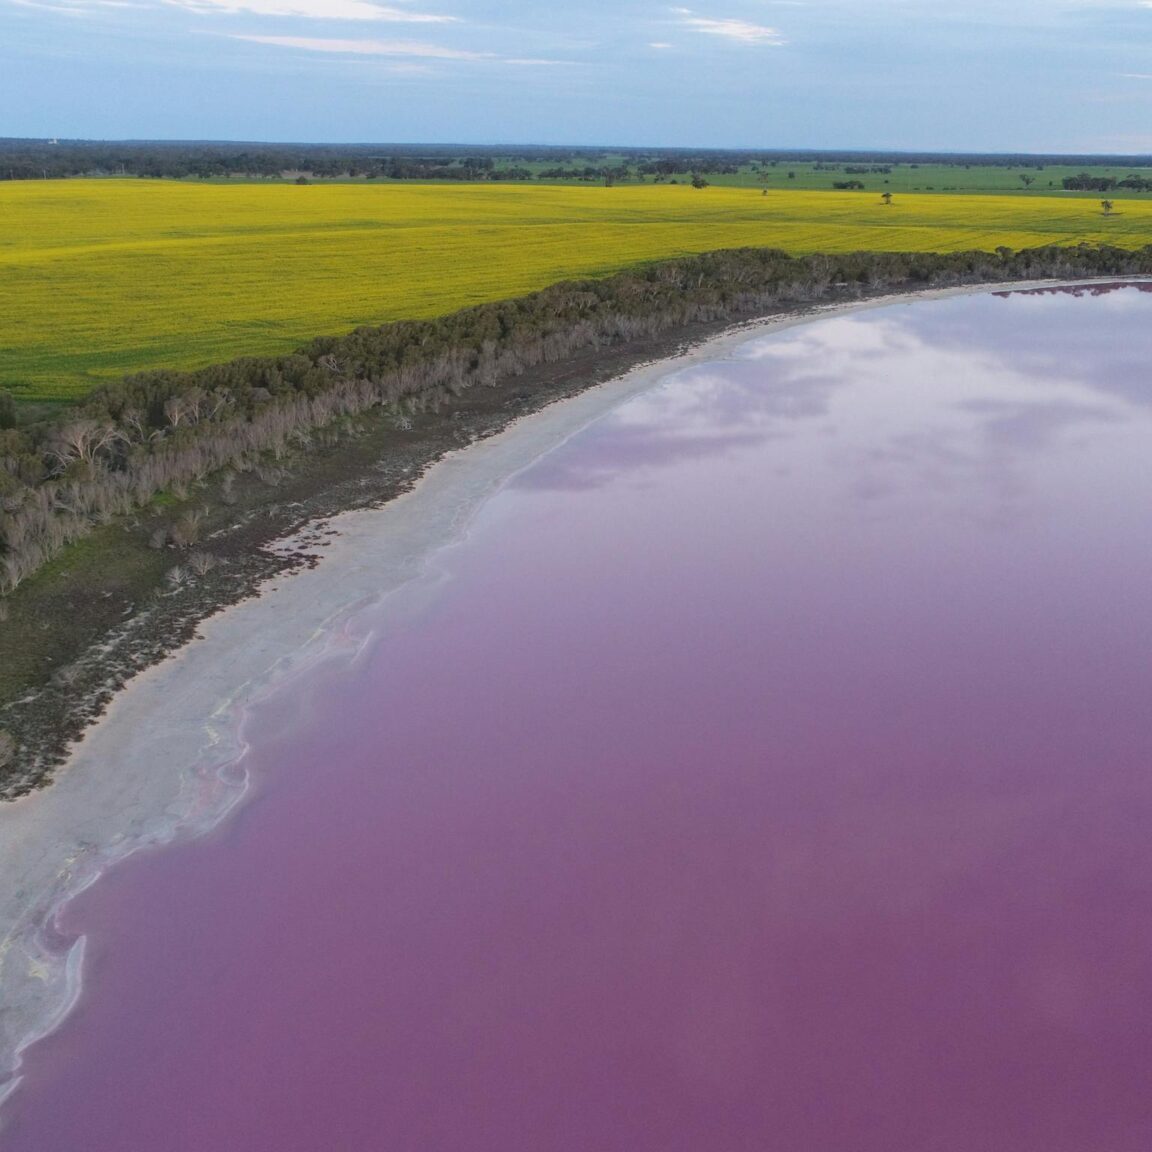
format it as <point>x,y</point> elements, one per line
<point>630,448</point>
<point>714,410</point>
<point>1034,425</point>
<point>970,396</point>
<point>1039,333</point>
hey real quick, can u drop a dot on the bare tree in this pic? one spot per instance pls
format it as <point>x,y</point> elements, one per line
<point>219,401</point>
<point>136,424</point>
<point>185,407</point>
<point>1107,206</point>
<point>79,440</point>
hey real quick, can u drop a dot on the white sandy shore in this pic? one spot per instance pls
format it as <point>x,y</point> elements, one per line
<point>165,760</point>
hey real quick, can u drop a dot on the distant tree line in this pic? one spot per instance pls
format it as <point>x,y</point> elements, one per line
<point>591,173</point>
<point>1086,182</point>
<point>161,431</point>
<point>40,160</point>
<point>22,159</point>
<point>427,168</point>
<point>681,165</point>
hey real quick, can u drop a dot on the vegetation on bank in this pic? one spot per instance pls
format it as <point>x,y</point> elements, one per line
<point>162,431</point>
<point>103,278</point>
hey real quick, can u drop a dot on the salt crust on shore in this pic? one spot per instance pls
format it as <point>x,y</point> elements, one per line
<point>166,760</point>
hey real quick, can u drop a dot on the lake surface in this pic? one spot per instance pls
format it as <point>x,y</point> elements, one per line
<point>769,768</point>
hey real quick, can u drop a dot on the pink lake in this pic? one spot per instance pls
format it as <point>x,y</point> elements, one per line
<point>768,768</point>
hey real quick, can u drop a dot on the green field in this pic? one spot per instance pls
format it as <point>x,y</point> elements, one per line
<point>103,277</point>
<point>795,175</point>
<point>805,175</point>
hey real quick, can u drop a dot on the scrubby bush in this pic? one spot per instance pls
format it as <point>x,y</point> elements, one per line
<point>201,563</point>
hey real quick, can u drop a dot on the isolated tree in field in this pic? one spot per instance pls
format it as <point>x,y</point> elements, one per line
<point>886,197</point>
<point>698,181</point>
<point>1107,206</point>
<point>1026,180</point>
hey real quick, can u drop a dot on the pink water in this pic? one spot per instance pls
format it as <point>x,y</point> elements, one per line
<point>771,772</point>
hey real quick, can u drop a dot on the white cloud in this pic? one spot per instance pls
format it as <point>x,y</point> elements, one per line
<point>740,30</point>
<point>77,8</point>
<point>305,9</point>
<point>408,50</point>
<point>366,47</point>
<point>49,6</point>
<point>314,9</point>
<point>660,44</point>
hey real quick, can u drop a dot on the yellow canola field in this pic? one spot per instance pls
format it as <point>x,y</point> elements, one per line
<point>99,278</point>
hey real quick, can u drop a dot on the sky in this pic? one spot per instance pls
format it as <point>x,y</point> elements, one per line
<point>940,75</point>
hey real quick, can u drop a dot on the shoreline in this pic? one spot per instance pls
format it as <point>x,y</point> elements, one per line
<point>188,710</point>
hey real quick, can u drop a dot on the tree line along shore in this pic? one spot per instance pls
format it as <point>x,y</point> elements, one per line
<point>148,441</point>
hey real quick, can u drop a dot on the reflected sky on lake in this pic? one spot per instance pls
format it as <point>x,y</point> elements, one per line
<point>965,393</point>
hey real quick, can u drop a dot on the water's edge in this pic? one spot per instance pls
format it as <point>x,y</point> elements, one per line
<point>176,734</point>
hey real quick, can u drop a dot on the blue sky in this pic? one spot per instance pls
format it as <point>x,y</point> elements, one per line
<point>998,75</point>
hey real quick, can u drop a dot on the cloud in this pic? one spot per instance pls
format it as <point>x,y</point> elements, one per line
<point>366,47</point>
<point>314,9</point>
<point>406,49</point>
<point>740,30</point>
<point>299,9</point>
<point>76,7</point>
